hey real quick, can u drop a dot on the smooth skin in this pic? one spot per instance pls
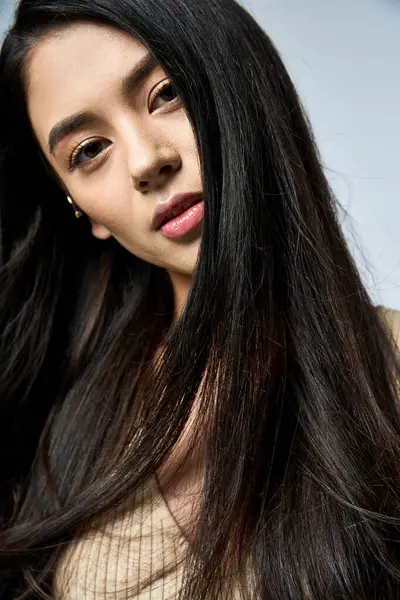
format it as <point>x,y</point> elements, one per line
<point>138,150</point>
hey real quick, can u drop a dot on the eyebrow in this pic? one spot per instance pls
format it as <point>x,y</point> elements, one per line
<point>83,119</point>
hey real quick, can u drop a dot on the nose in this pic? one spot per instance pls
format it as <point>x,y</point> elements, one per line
<point>151,159</point>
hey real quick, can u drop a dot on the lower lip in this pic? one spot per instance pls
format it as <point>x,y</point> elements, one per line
<point>185,222</point>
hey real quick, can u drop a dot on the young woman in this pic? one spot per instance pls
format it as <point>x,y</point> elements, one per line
<point>198,400</point>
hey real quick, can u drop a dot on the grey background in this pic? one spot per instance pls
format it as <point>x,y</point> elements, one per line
<point>344,57</point>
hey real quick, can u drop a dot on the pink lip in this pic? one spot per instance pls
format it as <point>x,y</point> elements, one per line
<point>164,208</point>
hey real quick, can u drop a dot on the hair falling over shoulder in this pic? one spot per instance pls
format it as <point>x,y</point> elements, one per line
<point>299,397</point>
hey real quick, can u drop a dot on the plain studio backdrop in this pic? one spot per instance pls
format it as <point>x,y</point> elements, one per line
<point>344,58</point>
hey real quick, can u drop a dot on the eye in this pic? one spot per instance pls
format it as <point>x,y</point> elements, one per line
<point>92,149</point>
<point>167,89</point>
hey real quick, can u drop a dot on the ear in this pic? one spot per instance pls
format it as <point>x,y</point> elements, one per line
<point>99,231</point>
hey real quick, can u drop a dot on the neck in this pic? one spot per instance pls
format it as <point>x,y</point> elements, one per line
<point>181,283</point>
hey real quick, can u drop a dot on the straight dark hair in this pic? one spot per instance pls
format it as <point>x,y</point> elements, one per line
<point>299,415</point>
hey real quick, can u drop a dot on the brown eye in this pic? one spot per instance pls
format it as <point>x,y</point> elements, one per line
<point>89,151</point>
<point>168,91</point>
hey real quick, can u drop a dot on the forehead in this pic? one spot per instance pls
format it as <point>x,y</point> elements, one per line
<point>67,68</point>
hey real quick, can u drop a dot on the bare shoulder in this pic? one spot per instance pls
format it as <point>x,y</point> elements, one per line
<point>391,317</point>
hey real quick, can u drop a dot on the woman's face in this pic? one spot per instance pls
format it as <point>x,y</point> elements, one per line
<point>133,150</point>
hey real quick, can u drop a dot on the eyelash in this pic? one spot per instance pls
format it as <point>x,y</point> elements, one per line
<point>77,150</point>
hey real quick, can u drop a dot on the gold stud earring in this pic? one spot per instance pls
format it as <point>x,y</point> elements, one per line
<point>78,213</point>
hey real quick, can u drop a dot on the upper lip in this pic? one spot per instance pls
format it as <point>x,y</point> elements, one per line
<point>164,208</point>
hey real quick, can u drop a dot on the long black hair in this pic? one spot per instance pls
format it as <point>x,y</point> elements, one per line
<point>298,412</point>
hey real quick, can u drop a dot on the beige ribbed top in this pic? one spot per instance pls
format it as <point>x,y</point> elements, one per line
<point>123,551</point>
<point>131,545</point>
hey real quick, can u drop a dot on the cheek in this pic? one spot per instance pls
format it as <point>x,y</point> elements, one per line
<point>111,204</point>
<point>192,158</point>
<point>104,197</point>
